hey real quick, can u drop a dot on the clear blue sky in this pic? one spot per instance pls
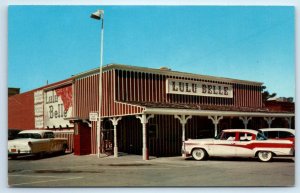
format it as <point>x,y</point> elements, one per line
<point>249,43</point>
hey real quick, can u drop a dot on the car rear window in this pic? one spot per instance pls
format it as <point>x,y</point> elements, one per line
<point>285,134</point>
<point>29,135</point>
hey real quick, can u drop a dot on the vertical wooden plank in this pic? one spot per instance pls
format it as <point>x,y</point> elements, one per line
<point>251,96</point>
<point>247,95</point>
<point>138,86</point>
<point>83,88</point>
<point>80,98</point>
<point>134,98</point>
<point>112,98</point>
<point>117,91</point>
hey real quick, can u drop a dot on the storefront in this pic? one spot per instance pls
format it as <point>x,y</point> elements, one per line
<point>150,111</point>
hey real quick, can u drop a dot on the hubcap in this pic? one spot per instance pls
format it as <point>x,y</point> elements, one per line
<point>199,153</point>
<point>265,155</point>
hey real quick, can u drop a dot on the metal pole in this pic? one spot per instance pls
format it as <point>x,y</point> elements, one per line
<point>115,141</point>
<point>183,138</point>
<point>100,87</point>
<point>143,119</point>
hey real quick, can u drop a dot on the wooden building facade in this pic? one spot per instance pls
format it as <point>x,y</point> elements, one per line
<point>130,91</point>
<point>149,111</point>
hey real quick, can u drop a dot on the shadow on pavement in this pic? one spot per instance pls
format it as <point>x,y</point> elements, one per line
<point>38,157</point>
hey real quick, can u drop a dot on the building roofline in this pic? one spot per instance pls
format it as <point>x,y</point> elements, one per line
<point>165,72</point>
<point>49,86</point>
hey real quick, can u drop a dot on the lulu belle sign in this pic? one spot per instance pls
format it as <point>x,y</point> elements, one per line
<point>198,88</point>
<point>58,106</point>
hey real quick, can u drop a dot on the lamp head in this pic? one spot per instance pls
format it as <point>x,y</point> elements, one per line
<point>98,14</point>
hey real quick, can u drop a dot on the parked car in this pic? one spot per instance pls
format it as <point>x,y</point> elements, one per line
<point>238,143</point>
<point>279,133</point>
<point>36,142</point>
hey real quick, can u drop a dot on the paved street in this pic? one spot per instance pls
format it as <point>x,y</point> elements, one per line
<point>130,170</point>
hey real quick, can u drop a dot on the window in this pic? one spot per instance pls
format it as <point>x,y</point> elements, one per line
<point>245,137</point>
<point>285,134</point>
<point>260,136</point>
<point>29,135</point>
<point>49,135</point>
<point>228,136</point>
<point>271,134</point>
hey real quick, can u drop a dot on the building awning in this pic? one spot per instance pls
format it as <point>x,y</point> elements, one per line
<point>207,110</point>
<point>168,111</point>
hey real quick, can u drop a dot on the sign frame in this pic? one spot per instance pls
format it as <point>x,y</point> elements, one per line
<point>93,116</point>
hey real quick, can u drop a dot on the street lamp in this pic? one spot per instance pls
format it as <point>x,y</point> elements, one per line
<point>99,15</point>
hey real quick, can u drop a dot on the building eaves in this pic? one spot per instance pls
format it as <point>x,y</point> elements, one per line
<point>166,72</point>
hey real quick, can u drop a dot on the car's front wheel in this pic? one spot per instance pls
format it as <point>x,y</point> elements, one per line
<point>199,154</point>
<point>265,156</point>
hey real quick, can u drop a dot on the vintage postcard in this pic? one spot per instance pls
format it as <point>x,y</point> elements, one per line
<point>151,96</point>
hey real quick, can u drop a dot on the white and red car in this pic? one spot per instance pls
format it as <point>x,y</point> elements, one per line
<point>238,143</point>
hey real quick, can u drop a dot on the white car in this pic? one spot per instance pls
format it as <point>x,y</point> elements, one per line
<point>37,142</point>
<point>238,143</point>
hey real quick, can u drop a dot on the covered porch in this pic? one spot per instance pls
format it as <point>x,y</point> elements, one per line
<point>160,130</point>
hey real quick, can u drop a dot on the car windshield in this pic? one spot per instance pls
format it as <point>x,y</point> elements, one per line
<point>29,135</point>
<point>260,136</point>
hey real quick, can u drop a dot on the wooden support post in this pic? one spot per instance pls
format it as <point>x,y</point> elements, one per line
<point>183,120</point>
<point>144,120</point>
<point>216,119</point>
<point>245,120</point>
<point>269,120</point>
<point>289,120</point>
<point>115,121</point>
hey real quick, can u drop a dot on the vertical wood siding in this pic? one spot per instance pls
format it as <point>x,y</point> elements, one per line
<point>87,94</point>
<point>87,98</point>
<point>147,87</point>
<point>67,134</point>
<point>121,86</point>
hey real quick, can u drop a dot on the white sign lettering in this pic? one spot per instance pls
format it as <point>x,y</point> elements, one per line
<point>58,107</point>
<point>188,87</point>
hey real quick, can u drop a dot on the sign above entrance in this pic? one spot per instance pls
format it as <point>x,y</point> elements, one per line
<point>198,88</point>
<point>93,116</point>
